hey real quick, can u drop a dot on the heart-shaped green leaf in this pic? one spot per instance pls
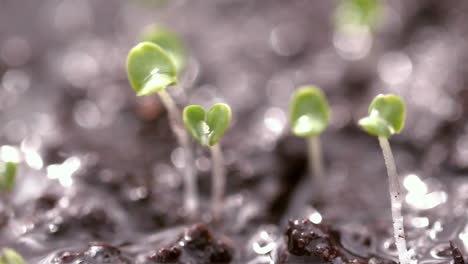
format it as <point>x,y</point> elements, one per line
<point>207,127</point>
<point>309,113</point>
<point>169,41</point>
<point>387,115</point>
<point>150,69</point>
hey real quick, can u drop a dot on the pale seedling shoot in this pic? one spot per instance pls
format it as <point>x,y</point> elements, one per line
<point>151,70</point>
<point>387,117</point>
<point>309,115</point>
<point>207,127</point>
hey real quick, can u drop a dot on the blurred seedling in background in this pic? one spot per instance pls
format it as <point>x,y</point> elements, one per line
<point>309,115</point>
<point>151,70</point>
<point>169,41</point>
<point>207,128</point>
<point>10,256</point>
<point>9,159</point>
<point>355,20</point>
<point>363,13</point>
<point>387,115</point>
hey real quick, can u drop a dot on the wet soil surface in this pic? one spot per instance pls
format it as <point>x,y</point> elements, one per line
<point>101,182</point>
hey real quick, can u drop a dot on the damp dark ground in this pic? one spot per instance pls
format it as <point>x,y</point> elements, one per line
<point>100,178</point>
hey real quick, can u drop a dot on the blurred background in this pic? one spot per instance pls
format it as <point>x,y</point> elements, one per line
<point>90,148</point>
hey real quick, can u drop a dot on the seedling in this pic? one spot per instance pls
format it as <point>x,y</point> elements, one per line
<point>207,128</point>
<point>358,13</point>
<point>151,70</point>
<point>8,175</point>
<point>386,118</point>
<point>309,115</point>
<point>9,159</point>
<point>10,256</point>
<point>168,41</point>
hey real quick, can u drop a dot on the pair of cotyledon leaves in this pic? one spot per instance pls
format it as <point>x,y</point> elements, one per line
<point>310,114</point>
<point>154,65</point>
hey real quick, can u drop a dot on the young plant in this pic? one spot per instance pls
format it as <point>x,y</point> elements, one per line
<point>387,117</point>
<point>168,41</point>
<point>361,13</point>
<point>309,115</point>
<point>8,175</point>
<point>9,159</point>
<point>10,256</point>
<point>151,70</point>
<point>207,128</point>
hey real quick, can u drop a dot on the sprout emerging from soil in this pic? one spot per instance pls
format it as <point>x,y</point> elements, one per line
<point>386,118</point>
<point>168,41</point>
<point>151,70</point>
<point>10,256</point>
<point>208,128</point>
<point>309,115</point>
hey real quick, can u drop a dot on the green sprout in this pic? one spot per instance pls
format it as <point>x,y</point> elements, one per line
<point>8,175</point>
<point>309,115</point>
<point>207,128</point>
<point>366,13</point>
<point>9,159</point>
<point>168,41</point>
<point>151,70</point>
<point>10,256</point>
<point>386,118</point>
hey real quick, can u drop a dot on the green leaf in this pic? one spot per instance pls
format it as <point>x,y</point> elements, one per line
<point>150,69</point>
<point>207,127</point>
<point>387,115</point>
<point>168,41</point>
<point>10,256</point>
<point>309,113</point>
<point>359,12</point>
<point>8,175</point>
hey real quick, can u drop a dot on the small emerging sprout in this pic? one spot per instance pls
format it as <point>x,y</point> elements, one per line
<point>168,41</point>
<point>309,115</point>
<point>10,256</point>
<point>207,128</point>
<point>386,118</point>
<point>151,70</point>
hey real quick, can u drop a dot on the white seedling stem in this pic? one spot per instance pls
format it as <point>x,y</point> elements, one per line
<point>315,163</point>
<point>177,126</point>
<point>218,181</point>
<point>396,199</point>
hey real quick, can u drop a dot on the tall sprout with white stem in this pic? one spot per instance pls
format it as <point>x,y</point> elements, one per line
<point>151,70</point>
<point>386,117</point>
<point>207,127</point>
<point>309,115</point>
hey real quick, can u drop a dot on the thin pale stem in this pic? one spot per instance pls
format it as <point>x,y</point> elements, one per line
<point>176,123</point>
<point>396,200</point>
<point>218,181</point>
<point>315,163</point>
